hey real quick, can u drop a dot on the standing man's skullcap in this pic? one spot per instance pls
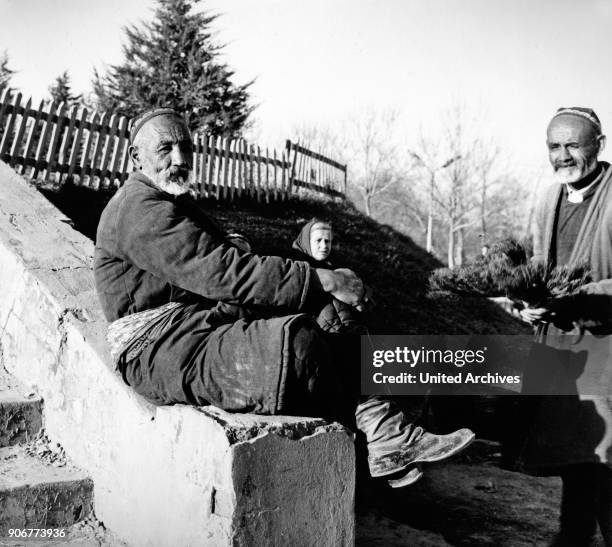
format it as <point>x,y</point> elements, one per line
<point>582,112</point>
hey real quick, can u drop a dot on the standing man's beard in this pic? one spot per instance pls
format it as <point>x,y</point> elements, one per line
<point>572,173</point>
<point>175,181</point>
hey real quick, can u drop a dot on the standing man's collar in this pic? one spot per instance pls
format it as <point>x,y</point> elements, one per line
<point>586,186</point>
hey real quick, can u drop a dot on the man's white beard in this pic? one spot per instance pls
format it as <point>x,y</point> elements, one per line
<point>571,175</point>
<point>568,175</point>
<point>173,187</point>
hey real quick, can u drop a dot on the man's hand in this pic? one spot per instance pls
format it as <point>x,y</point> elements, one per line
<point>520,310</point>
<point>534,315</point>
<point>560,311</point>
<point>344,285</point>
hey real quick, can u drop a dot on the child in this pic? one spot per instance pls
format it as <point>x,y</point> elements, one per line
<point>314,245</point>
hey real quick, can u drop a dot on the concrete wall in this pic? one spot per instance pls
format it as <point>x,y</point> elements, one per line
<point>173,476</point>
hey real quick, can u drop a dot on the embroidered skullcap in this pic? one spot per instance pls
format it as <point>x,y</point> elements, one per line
<point>584,113</point>
<point>139,121</point>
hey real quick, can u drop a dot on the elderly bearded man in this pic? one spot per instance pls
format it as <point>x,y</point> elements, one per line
<point>197,320</point>
<point>571,435</point>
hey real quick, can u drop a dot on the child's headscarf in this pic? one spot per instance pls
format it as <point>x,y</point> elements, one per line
<point>302,241</point>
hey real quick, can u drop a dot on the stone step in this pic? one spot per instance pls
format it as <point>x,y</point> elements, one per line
<point>165,476</point>
<point>40,489</point>
<point>20,412</point>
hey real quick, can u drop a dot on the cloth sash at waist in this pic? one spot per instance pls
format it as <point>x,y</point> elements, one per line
<point>129,335</point>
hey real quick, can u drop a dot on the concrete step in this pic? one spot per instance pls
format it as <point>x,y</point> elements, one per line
<point>39,488</point>
<point>20,412</point>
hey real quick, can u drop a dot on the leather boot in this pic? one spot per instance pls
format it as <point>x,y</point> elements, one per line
<point>407,477</point>
<point>395,445</point>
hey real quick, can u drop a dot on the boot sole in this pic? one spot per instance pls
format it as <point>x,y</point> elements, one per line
<point>409,478</point>
<point>450,454</point>
<point>393,460</point>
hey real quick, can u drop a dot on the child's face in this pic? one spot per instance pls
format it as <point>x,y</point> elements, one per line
<point>320,242</point>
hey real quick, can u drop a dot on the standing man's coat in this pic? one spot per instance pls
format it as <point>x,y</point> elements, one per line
<point>578,429</point>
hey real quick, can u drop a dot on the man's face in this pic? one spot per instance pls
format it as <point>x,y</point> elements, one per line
<point>320,241</point>
<point>573,147</point>
<point>164,152</point>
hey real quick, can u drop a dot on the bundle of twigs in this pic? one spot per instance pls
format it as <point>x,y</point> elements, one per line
<point>475,279</point>
<point>534,284</point>
<point>483,277</point>
<point>507,271</point>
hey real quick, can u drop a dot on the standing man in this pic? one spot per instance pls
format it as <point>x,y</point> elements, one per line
<point>571,436</point>
<point>165,275</point>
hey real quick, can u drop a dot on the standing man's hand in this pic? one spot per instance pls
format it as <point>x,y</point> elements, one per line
<point>344,285</point>
<point>534,315</point>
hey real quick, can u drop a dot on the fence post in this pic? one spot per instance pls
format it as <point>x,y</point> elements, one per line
<point>39,160</point>
<point>14,153</point>
<point>226,160</point>
<point>121,143</point>
<point>204,166</point>
<point>233,162</point>
<point>109,143</point>
<point>289,146</point>
<point>5,99</point>
<point>55,135</point>
<point>195,157</point>
<point>275,176</point>
<point>345,178</point>
<point>86,167</point>
<point>211,164</point>
<point>61,166</point>
<point>30,145</point>
<point>8,128</point>
<point>285,175</point>
<point>125,160</point>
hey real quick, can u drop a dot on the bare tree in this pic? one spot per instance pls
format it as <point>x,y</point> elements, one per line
<point>428,161</point>
<point>320,138</point>
<point>533,199</point>
<point>486,155</point>
<point>453,188</point>
<point>467,184</point>
<point>373,154</point>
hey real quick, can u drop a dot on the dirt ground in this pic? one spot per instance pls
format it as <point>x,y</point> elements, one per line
<point>468,502</point>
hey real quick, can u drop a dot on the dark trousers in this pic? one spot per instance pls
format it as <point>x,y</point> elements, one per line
<point>265,366</point>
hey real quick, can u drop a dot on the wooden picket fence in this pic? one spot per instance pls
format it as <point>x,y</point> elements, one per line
<point>315,171</point>
<point>58,144</point>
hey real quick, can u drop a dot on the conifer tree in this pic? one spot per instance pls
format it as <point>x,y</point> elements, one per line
<point>61,90</point>
<point>174,61</point>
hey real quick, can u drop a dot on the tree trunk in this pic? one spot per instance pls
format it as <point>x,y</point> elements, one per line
<point>451,245</point>
<point>366,203</point>
<point>460,248</point>
<point>483,214</point>
<point>429,242</point>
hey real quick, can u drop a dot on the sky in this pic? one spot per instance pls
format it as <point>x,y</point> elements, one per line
<point>322,62</point>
